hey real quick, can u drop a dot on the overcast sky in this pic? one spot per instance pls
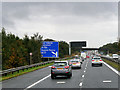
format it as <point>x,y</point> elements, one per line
<point>96,23</point>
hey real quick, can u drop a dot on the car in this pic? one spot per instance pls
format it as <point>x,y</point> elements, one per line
<point>97,61</point>
<point>75,63</point>
<point>115,56</point>
<point>79,59</point>
<point>61,68</point>
<point>87,56</point>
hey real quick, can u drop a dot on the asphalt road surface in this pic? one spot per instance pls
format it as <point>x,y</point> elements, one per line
<point>86,78</point>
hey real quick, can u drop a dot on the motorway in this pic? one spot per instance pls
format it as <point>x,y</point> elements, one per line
<point>86,78</point>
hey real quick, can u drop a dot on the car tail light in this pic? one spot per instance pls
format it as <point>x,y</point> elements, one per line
<point>74,63</point>
<point>66,67</point>
<point>93,60</point>
<point>100,60</point>
<point>53,67</point>
<point>52,72</point>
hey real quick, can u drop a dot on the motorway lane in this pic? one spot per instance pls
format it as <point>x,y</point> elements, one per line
<point>86,77</point>
<point>95,76</point>
<point>63,82</point>
<point>27,79</point>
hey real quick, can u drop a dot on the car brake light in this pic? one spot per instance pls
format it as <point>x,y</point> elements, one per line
<point>66,67</point>
<point>100,60</point>
<point>93,60</point>
<point>53,67</point>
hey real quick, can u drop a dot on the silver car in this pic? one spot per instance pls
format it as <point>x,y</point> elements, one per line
<point>61,68</point>
<point>75,63</point>
<point>97,61</point>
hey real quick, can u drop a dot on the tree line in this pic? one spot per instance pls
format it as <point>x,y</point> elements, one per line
<point>111,48</point>
<point>16,51</point>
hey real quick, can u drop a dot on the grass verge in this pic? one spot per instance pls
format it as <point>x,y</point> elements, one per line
<point>21,72</point>
<point>113,64</point>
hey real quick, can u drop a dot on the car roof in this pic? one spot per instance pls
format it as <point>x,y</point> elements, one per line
<point>96,57</point>
<point>61,61</point>
<point>74,60</point>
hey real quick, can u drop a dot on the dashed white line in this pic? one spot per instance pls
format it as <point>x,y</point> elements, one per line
<point>60,82</point>
<point>83,75</point>
<point>38,82</point>
<point>80,84</point>
<point>107,81</point>
<point>84,71</point>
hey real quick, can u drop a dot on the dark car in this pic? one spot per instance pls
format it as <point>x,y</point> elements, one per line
<point>61,68</point>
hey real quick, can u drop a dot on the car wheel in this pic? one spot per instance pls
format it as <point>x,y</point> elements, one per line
<point>69,76</point>
<point>52,77</point>
<point>92,64</point>
<point>80,67</point>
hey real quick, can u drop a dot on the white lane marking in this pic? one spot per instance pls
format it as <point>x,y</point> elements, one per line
<point>85,68</point>
<point>107,81</point>
<point>84,71</point>
<point>61,82</point>
<point>86,65</point>
<point>50,66</point>
<point>117,72</point>
<point>80,84</point>
<point>83,75</point>
<point>38,82</point>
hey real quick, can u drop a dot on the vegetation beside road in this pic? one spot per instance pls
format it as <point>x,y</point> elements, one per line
<point>16,51</point>
<point>113,64</point>
<point>21,72</point>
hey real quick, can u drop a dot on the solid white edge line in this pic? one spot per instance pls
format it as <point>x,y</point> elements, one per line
<point>80,84</point>
<point>38,82</point>
<point>117,72</point>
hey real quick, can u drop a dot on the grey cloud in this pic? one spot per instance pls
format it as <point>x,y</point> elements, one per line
<point>23,10</point>
<point>63,21</point>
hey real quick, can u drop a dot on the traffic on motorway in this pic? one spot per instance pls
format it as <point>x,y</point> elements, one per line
<point>64,68</point>
<point>78,72</point>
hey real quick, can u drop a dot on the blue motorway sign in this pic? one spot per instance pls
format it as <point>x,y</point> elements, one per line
<point>50,49</point>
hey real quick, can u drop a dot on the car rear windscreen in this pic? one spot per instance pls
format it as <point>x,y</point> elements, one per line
<point>74,61</point>
<point>96,58</point>
<point>57,64</point>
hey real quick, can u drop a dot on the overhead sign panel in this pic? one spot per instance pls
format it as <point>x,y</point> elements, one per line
<point>78,44</point>
<point>50,49</point>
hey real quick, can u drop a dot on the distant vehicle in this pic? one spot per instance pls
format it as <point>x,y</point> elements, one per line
<point>97,61</point>
<point>107,55</point>
<point>75,63</point>
<point>61,68</point>
<point>87,56</point>
<point>115,56</point>
<point>83,55</point>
